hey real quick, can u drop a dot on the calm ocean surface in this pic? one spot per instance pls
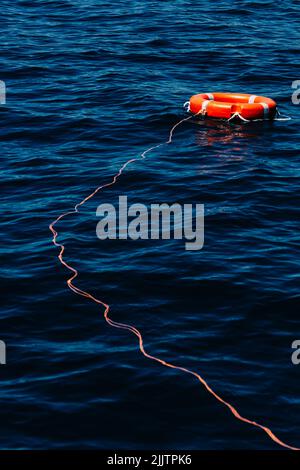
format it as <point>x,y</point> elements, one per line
<point>91,84</point>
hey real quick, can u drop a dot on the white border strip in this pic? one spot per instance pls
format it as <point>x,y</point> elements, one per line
<point>252,99</point>
<point>204,106</point>
<point>266,110</point>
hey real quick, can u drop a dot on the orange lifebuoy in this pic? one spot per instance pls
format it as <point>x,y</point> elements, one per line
<point>227,105</point>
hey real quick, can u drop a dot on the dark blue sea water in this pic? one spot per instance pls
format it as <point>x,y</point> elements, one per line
<point>91,84</point>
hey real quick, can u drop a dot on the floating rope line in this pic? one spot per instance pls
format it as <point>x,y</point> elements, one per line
<point>131,328</point>
<point>280,117</point>
<point>239,116</point>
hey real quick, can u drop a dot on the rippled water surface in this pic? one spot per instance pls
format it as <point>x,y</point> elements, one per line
<point>91,84</point>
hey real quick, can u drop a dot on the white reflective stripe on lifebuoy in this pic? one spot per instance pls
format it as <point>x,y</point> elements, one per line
<point>252,99</point>
<point>266,110</point>
<point>204,106</point>
<point>210,96</point>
